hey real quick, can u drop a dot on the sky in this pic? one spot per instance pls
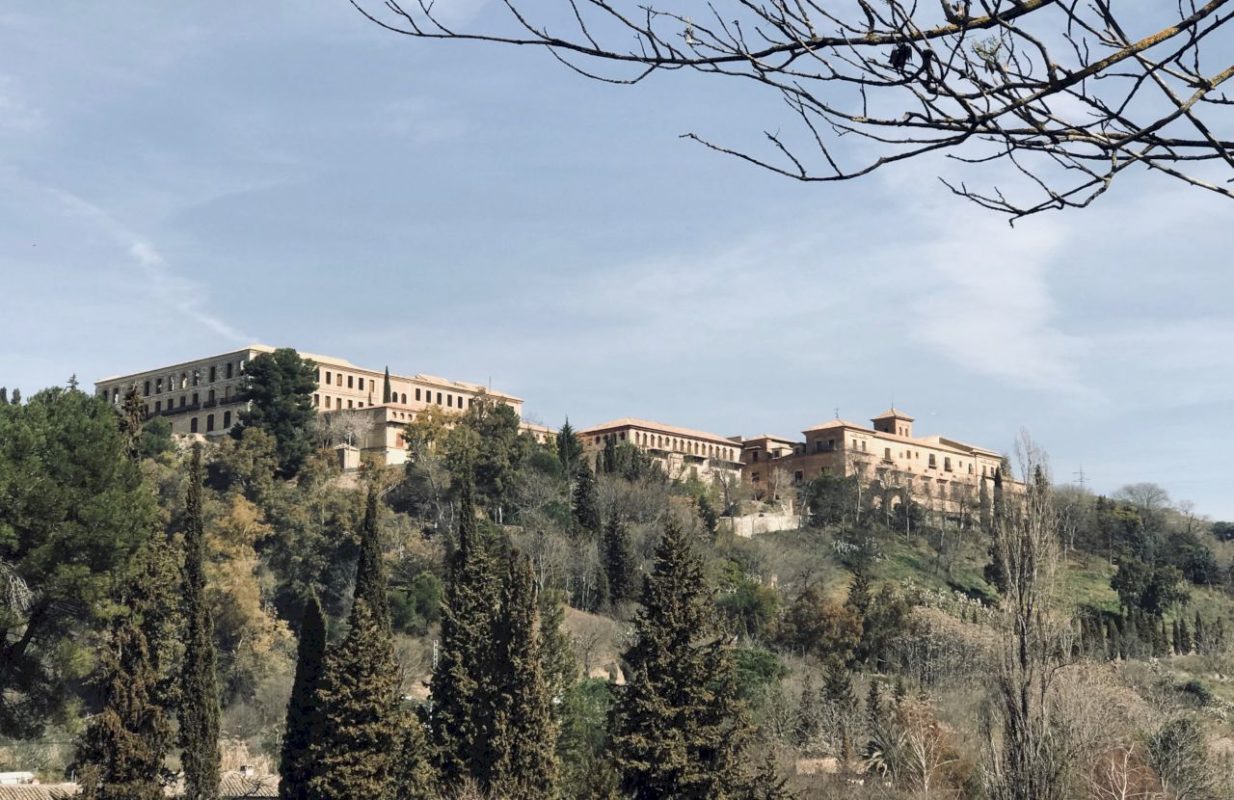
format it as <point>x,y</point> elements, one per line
<point>177,180</point>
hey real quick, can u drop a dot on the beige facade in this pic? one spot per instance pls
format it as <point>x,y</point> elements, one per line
<point>678,451</point>
<point>939,473</point>
<point>199,397</point>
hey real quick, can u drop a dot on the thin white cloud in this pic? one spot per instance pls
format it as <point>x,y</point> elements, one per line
<point>169,289</point>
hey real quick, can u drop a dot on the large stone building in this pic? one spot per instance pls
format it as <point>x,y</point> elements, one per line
<point>679,452</point>
<point>938,472</point>
<point>200,397</point>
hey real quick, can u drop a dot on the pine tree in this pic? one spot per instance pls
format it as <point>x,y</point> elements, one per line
<point>462,689</point>
<point>524,732</point>
<point>304,720</point>
<point>677,725</point>
<point>199,708</point>
<point>618,561</point>
<point>586,507</point>
<point>120,755</point>
<point>361,714</point>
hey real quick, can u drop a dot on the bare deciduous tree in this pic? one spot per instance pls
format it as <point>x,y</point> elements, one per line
<point>1069,94</point>
<point>1028,752</point>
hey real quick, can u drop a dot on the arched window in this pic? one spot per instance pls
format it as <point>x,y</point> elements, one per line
<point>226,420</point>
<point>193,425</point>
<point>404,400</point>
<point>209,422</point>
<point>184,380</point>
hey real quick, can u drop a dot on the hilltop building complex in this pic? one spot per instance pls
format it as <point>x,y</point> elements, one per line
<point>201,397</point>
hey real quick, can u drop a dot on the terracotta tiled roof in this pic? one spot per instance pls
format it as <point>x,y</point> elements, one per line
<point>37,791</point>
<point>891,413</point>
<point>657,427</point>
<point>835,423</point>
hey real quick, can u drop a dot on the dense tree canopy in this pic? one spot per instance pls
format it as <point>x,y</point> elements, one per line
<point>278,388</point>
<point>73,512</point>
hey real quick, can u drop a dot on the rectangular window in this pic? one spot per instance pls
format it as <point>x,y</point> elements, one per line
<point>349,404</point>
<point>209,422</point>
<point>158,406</point>
<point>193,425</point>
<point>228,369</point>
<point>183,400</point>
<point>417,395</point>
<point>439,398</point>
<point>316,400</point>
<point>329,376</point>
<point>147,392</point>
<point>450,400</point>
<point>933,463</point>
<point>196,399</point>
<point>362,384</point>
<point>226,420</point>
<point>158,386</point>
<point>351,382</point>
<point>214,374</point>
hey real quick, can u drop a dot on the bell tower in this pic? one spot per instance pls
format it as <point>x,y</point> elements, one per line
<point>894,422</point>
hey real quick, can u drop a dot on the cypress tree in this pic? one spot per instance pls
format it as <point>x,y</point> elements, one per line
<point>618,561</point>
<point>1200,634</point>
<point>524,733</point>
<point>304,722</point>
<point>131,419</point>
<point>1177,639</point>
<point>569,449</point>
<point>874,704</point>
<point>120,755</point>
<point>995,571</point>
<point>413,774</point>
<point>608,459</point>
<point>677,725</point>
<point>385,387</point>
<point>462,691</point>
<point>199,708</point>
<point>4,395</point>
<point>361,712</point>
<point>16,397</point>
<point>586,507</point>
<point>1184,637</point>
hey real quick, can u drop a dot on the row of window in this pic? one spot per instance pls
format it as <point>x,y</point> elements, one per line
<point>184,401</point>
<point>660,442</point>
<point>184,380</point>
<point>193,423</point>
<point>328,378</point>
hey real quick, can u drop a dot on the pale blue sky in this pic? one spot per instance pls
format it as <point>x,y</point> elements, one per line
<point>177,180</point>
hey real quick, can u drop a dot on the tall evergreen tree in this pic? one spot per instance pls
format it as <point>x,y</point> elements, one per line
<point>618,560</point>
<point>462,689</point>
<point>199,706</point>
<point>304,721</point>
<point>994,572</point>
<point>586,507</point>
<point>278,390</point>
<point>361,710</point>
<point>677,725</point>
<point>132,415</point>
<point>569,449</point>
<point>385,387</point>
<point>524,732</point>
<point>120,755</point>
